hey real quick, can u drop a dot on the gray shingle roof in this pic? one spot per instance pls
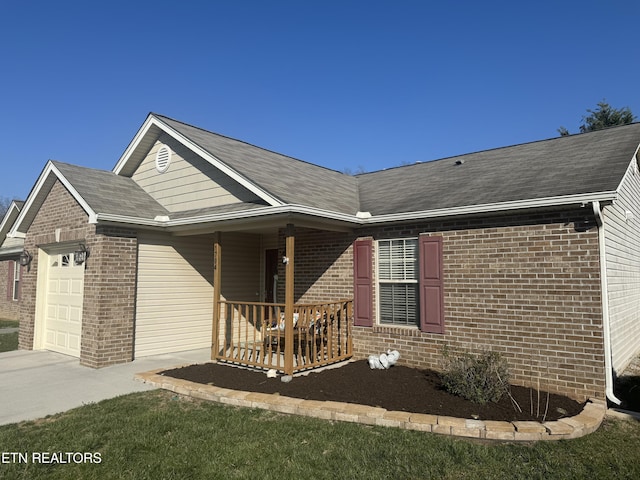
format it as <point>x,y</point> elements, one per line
<point>288,179</point>
<point>106,192</point>
<point>577,164</point>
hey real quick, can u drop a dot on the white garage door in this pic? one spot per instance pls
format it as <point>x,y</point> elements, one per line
<point>63,318</point>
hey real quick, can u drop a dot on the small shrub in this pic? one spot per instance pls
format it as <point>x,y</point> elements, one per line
<point>480,378</point>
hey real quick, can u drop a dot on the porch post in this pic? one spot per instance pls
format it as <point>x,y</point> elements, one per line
<point>217,277</point>
<point>288,300</point>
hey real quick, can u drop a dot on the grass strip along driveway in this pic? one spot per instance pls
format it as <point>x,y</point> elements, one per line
<point>159,435</point>
<point>8,341</point>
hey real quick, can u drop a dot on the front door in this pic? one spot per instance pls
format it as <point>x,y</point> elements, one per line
<point>270,275</point>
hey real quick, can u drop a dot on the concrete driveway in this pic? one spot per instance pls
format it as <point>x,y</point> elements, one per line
<point>34,384</point>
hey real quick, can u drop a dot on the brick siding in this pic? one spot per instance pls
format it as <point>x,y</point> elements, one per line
<point>527,287</point>
<point>323,270</point>
<point>109,298</point>
<point>9,308</point>
<point>109,279</point>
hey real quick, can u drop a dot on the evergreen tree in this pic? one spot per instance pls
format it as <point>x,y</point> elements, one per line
<point>602,117</point>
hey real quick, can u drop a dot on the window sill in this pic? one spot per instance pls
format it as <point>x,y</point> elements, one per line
<point>407,331</point>
<point>404,331</point>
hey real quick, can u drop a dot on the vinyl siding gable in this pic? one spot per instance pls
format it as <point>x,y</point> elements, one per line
<point>190,182</point>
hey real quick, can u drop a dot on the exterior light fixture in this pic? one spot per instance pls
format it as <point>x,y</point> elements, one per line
<point>80,256</point>
<point>25,258</point>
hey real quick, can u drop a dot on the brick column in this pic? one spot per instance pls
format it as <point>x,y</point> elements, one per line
<point>109,298</point>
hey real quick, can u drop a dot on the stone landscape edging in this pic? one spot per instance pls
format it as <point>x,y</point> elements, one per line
<point>579,425</point>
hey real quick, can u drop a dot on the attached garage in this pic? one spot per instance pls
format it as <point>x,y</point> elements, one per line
<point>60,315</point>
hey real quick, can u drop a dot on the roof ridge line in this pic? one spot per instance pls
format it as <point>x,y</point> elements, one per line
<point>250,144</point>
<point>532,142</point>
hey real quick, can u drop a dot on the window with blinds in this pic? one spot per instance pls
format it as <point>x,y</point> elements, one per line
<point>398,281</point>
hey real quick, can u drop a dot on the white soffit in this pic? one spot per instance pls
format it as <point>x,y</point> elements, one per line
<point>8,219</point>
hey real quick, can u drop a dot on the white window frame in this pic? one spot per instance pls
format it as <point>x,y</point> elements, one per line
<point>401,275</point>
<point>17,270</point>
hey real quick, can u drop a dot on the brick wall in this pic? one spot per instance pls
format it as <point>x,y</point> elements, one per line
<point>109,279</point>
<point>323,270</point>
<point>59,211</point>
<point>109,297</point>
<point>525,286</point>
<point>8,306</point>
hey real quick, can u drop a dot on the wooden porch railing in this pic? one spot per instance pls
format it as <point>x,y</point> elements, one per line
<point>253,334</point>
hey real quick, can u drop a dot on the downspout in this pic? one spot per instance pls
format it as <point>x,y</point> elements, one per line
<point>606,327</point>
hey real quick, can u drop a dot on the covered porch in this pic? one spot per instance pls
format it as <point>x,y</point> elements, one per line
<point>261,335</point>
<point>291,326</point>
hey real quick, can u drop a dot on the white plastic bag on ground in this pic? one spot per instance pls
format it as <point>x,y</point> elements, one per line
<point>384,360</point>
<point>392,356</point>
<point>374,362</point>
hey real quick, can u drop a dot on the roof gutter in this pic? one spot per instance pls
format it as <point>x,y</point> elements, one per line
<point>11,251</point>
<point>290,209</point>
<point>606,325</point>
<point>128,220</point>
<point>493,207</point>
<point>357,220</point>
<point>244,215</point>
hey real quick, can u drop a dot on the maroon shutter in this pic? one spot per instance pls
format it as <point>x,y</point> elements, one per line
<point>11,267</point>
<point>431,285</point>
<point>362,283</point>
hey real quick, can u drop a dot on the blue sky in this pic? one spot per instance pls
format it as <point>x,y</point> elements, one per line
<point>357,85</point>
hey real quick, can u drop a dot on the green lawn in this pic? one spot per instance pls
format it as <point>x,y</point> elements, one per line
<point>158,435</point>
<point>9,323</point>
<point>8,341</point>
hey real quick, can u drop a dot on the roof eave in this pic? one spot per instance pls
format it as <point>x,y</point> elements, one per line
<point>11,251</point>
<point>40,188</point>
<point>285,213</point>
<point>8,220</point>
<point>528,204</point>
<point>310,215</point>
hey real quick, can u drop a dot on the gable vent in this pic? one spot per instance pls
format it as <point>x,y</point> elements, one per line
<point>163,158</point>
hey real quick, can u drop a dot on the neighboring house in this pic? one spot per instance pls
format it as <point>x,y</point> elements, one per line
<point>196,240</point>
<point>10,268</point>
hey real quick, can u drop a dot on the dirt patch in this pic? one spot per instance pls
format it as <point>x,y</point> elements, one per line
<point>398,388</point>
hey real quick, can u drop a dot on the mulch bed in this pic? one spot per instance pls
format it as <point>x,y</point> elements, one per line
<point>398,388</point>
